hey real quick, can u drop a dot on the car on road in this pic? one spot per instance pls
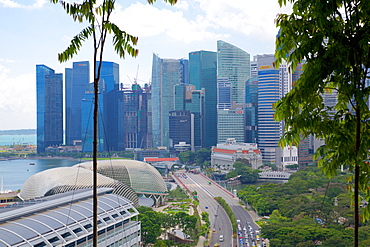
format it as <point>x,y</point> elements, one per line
<point>221,238</point>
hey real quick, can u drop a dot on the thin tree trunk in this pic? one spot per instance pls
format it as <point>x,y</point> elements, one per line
<point>95,163</point>
<point>357,223</point>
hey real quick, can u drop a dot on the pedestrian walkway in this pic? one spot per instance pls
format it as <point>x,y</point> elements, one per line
<point>201,241</point>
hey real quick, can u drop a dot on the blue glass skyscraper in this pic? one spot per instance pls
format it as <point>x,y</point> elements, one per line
<point>110,73</point>
<point>113,114</point>
<point>203,74</point>
<point>110,111</point>
<point>251,110</point>
<point>166,73</point>
<point>49,94</point>
<point>87,118</point>
<point>76,81</point>
<point>197,108</point>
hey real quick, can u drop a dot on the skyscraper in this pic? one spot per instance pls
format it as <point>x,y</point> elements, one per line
<point>251,110</point>
<point>203,74</point>
<point>49,94</point>
<point>87,118</point>
<point>233,63</point>
<point>113,114</point>
<point>233,67</point>
<point>223,93</point>
<point>230,123</point>
<point>135,105</point>
<point>197,108</point>
<point>110,111</point>
<point>180,127</point>
<point>273,84</point>
<point>76,81</point>
<point>166,73</point>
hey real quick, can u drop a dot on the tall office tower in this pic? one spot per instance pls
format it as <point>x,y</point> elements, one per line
<point>166,73</point>
<point>135,117</point>
<point>203,74</point>
<point>113,113</point>
<point>197,108</point>
<point>49,94</point>
<point>304,156</point>
<point>230,123</point>
<point>149,140</point>
<point>233,66</point>
<point>110,112</point>
<point>87,118</point>
<point>187,98</point>
<point>181,126</point>
<point>254,68</point>
<point>179,97</point>
<point>233,63</point>
<point>271,87</point>
<point>184,71</point>
<point>223,93</point>
<point>76,81</point>
<point>110,74</point>
<point>251,110</point>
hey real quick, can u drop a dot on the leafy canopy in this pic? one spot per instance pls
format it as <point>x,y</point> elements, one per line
<point>332,40</point>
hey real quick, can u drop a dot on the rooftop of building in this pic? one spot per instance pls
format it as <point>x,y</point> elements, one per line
<point>56,219</point>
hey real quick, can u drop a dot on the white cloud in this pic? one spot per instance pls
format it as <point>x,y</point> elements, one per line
<point>6,61</point>
<point>244,16</point>
<point>18,94</point>
<point>13,4</point>
<point>146,20</point>
<point>183,5</point>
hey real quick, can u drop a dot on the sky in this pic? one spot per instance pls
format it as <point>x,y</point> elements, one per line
<point>35,31</point>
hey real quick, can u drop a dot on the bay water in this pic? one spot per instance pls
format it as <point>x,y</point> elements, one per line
<point>13,173</point>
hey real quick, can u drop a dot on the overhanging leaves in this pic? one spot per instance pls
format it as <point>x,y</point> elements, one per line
<point>75,45</point>
<point>332,39</point>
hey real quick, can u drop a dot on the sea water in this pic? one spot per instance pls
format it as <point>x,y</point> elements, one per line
<point>13,173</point>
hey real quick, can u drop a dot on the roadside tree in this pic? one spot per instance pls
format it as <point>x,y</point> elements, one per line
<point>332,39</point>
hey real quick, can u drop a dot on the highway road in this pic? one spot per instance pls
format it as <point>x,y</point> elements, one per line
<point>220,223</point>
<point>206,193</point>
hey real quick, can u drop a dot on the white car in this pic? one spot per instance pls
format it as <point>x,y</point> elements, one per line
<point>221,238</point>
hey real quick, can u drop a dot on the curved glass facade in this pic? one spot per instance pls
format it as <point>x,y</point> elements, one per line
<point>63,179</point>
<point>140,176</point>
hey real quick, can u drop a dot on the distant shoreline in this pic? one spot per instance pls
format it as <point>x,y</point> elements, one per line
<point>18,132</point>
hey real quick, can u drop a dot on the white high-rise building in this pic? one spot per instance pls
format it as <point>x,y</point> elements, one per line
<point>273,84</point>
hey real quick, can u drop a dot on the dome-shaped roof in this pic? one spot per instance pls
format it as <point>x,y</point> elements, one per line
<point>142,177</point>
<point>62,179</point>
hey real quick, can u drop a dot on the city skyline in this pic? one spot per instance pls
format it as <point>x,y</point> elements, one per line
<point>45,30</point>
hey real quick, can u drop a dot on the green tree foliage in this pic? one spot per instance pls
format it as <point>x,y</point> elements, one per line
<point>177,193</point>
<point>202,155</point>
<point>187,157</point>
<point>295,166</point>
<point>332,38</point>
<point>248,175</point>
<point>293,206</point>
<point>228,211</point>
<point>307,190</point>
<point>154,223</point>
